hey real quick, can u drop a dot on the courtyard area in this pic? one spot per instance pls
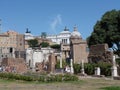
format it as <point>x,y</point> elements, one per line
<point>83,84</point>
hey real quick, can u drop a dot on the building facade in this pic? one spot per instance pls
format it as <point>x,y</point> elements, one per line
<point>11,43</point>
<point>62,37</point>
<point>78,47</point>
<point>72,44</point>
<point>34,56</point>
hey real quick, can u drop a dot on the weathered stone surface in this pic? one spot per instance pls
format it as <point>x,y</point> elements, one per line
<point>100,52</point>
<point>41,66</point>
<point>52,62</point>
<point>17,65</point>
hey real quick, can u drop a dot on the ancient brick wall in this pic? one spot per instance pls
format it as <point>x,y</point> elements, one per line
<point>100,52</point>
<point>17,65</point>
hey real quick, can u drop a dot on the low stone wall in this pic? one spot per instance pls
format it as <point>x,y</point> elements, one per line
<point>16,65</point>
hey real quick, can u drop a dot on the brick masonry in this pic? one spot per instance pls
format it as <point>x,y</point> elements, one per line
<point>16,65</point>
<point>100,52</point>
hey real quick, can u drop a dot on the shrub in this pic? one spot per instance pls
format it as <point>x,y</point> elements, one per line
<point>58,78</point>
<point>77,68</point>
<point>55,46</point>
<point>68,77</point>
<point>105,68</point>
<point>89,68</point>
<point>118,61</point>
<point>44,44</point>
<point>42,78</point>
<point>15,76</point>
<point>58,64</point>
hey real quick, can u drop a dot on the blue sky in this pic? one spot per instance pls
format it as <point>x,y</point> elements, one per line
<point>52,16</point>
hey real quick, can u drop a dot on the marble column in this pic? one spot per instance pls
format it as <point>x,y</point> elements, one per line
<point>114,68</point>
<point>71,66</point>
<point>60,59</point>
<point>82,69</point>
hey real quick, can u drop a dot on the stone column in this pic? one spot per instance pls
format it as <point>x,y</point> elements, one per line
<point>60,59</point>
<point>71,66</point>
<point>52,62</point>
<point>114,68</point>
<point>82,70</point>
<point>32,60</point>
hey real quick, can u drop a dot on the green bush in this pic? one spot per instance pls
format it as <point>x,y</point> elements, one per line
<point>57,66</point>
<point>42,78</point>
<point>44,44</point>
<point>105,68</point>
<point>58,78</point>
<point>90,68</point>
<point>118,61</point>
<point>77,68</point>
<point>68,77</point>
<point>55,46</point>
<point>15,76</point>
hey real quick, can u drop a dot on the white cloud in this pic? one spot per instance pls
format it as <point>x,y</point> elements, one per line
<point>56,21</point>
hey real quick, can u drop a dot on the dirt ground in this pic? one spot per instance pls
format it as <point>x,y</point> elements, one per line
<point>83,84</point>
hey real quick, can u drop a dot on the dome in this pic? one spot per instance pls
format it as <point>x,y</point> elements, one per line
<point>75,33</point>
<point>66,31</point>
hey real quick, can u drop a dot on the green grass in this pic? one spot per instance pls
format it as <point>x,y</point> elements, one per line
<point>6,81</point>
<point>82,84</point>
<point>111,88</point>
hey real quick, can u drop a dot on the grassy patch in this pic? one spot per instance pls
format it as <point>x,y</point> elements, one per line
<point>6,81</point>
<point>111,88</point>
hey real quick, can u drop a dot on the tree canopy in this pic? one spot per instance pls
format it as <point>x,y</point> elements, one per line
<point>44,44</point>
<point>55,46</point>
<point>107,30</point>
<point>33,43</point>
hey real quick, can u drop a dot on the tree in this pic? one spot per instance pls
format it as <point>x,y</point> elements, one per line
<point>33,43</point>
<point>55,46</point>
<point>44,44</point>
<point>107,30</point>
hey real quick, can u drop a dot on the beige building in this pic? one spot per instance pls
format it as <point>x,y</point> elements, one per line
<point>78,47</point>
<point>11,43</point>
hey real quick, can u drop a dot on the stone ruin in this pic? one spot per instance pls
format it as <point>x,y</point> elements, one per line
<point>52,63</point>
<point>100,52</point>
<point>48,66</point>
<point>16,65</point>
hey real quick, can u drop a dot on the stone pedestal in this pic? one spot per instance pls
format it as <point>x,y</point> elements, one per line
<point>114,68</point>
<point>114,71</point>
<point>97,71</point>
